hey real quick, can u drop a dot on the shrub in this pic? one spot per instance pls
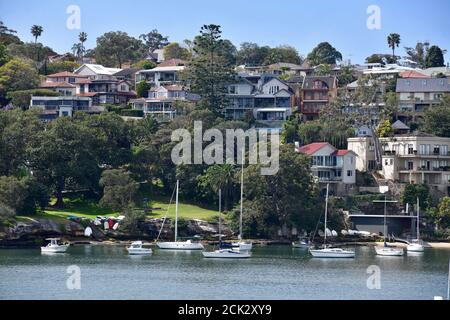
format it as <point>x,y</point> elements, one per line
<point>132,113</point>
<point>22,98</point>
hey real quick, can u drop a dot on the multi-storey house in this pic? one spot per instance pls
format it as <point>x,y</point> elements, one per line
<point>315,94</point>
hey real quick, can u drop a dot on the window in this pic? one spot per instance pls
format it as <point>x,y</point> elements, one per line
<point>410,149</point>
<point>410,165</point>
<point>274,89</point>
<point>338,173</point>
<point>349,173</point>
<point>232,90</point>
<point>436,149</point>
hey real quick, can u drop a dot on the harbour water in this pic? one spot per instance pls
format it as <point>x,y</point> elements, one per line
<point>274,272</point>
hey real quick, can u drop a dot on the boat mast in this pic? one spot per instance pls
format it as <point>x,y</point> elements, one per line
<point>242,193</point>
<point>220,216</point>
<point>385,225</point>
<point>418,213</point>
<point>176,213</point>
<point>326,213</point>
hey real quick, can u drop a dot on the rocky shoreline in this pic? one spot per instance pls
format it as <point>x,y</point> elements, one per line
<point>33,233</point>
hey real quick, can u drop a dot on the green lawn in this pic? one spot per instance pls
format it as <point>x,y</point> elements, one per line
<point>91,210</point>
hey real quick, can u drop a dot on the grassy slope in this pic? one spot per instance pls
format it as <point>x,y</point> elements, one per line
<point>91,210</point>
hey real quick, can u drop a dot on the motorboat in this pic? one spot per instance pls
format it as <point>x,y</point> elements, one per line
<point>178,245</point>
<point>302,244</point>
<point>329,252</point>
<point>136,248</point>
<point>227,254</point>
<point>54,246</point>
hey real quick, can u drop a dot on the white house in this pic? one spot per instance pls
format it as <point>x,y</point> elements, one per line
<point>332,166</point>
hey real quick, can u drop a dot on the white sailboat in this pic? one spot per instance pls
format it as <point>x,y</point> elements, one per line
<point>179,245</point>
<point>415,245</point>
<point>386,250</point>
<point>241,244</point>
<point>328,252</point>
<point>229,253</point>
<point>54,247</point>
<point>136,248</point>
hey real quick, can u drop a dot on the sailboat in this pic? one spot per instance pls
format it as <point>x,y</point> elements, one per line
<point>242,245</point>
<point>230,253</point>
<point>328,252</point>
<point>179,245</point>
<point>415,245</point>
<point>386,250</point>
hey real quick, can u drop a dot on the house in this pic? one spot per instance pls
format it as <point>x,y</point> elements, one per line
<point>162,102</point>
<point>417,94</point>
<point>54,107</point>
<point>316,93</point>
<point>96,71</point>
<point>111,91</point>
<point>408,158</point>
<point>265,96</point>
<point>331,166</point>
<point>160,75</point>
<point>128,74</point>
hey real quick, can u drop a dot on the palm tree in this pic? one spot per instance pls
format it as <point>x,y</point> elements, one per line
<point>393,41</point>
<point>36,31</point>
<point>82,37</point>
<point>77,49</point>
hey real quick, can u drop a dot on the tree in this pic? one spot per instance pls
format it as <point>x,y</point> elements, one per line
<point>441,214</point>
<point>119,189</point>
<point>220,177</point>
<point>116,48</point>
<point>16,75</point>
<point>284,53</point>
<point>142,89</point>
<point>7,36</point>
<point>434,57</point>
<point>375,58</point>
<point>384,129</point>
<point>145,64</point>
<point>414,191</point>
<point>251,54</point>
<point>36,31</point>
<point>12,194</point>
<point>324,53</point>
<point>21,98</point>
<point>83,38</point>
<point>323,70</point>
<point>286,199</point>
<point>209,72</point>
<point>393,41</point>
<point>418,53</point>
<point>437,119</point>
<point>154,40</point>
<point>175,51</point>
<point>60,66</point>
<point>4,56</point>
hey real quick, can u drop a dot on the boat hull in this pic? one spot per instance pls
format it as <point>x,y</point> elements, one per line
<point>389,251</point>
<point>55,249</point>
<point>227,254</point>
<point>332,253</point>
<point>143,251</point>
<point>181,245</point>
<point>415,248</point>
<point>300,245</point>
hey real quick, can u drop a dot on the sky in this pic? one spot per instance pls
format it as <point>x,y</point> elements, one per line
<point>299,23</point>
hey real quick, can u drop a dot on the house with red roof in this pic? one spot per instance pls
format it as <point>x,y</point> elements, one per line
<point>331,166</point>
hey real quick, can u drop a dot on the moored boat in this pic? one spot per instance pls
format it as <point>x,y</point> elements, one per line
<point>136,248</point>
<point>54,246</point>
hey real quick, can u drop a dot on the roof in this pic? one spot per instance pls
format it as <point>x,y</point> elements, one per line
<point>162,69</point>
<point>282,65</point>
<point>62,84</point>
<point>126,72</point>
<point>64,74</point>
<point>330,81</point>
<point>423,85</point>
<point>172,63</point>
<point>99,69</point>
<point>413,74</point>
<point>398,125</point>
<point>87,94</point>
<point>342,152</point>
<point>312,148</point>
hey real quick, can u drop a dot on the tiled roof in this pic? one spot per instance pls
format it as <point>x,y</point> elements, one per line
<point>341,152</point>
<point>413,74</point>
<point>309,81</point>
<point>63,74</point>
<point>312,148</point>
<point>62,84</point>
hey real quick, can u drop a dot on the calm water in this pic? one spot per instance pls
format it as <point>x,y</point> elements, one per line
<point>274,272</point>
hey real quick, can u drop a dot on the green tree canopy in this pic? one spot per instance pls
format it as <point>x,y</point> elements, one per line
<point>324,53</point>
<point>119,189</point>
<point>175,51</point>
<point>116,48</point>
